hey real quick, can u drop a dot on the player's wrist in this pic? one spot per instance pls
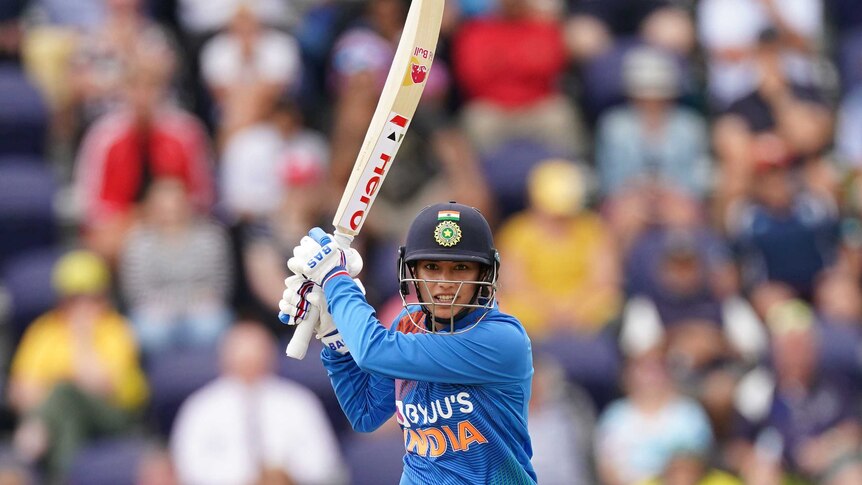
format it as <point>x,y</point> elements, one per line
<point>333,273</point>
<point>335,343</point>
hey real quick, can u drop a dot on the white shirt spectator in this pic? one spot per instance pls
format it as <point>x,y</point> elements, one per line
<point>736,25</point>
<point>258,163</point>
<point>275,59</point>
<point>203,16</point>
<point>226,432</point>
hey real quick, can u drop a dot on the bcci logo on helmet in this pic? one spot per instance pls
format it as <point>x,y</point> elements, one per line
<point>447,234</point>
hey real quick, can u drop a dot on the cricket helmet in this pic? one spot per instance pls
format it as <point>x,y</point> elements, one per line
<point>450,232</point>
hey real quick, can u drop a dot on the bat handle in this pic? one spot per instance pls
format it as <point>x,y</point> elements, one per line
<point>298,344</point>
<point>343,240</point>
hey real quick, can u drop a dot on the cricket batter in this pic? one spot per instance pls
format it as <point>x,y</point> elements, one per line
<point>454,370</point>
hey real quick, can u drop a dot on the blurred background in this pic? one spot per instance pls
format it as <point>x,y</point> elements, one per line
<point>674,187</point>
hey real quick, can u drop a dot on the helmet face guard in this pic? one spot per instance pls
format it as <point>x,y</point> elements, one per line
<point>450,232</point>
<point>484,297</point>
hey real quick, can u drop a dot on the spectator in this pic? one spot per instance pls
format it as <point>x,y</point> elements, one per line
<point>782,408</point>
<point>202,18</point>
<point>248,425</point>
<point>561,421</point>
<point>838,308</point>
<point>75,376</point>
<point>104,56</point>
<point>651,139</point>
<point>637,436</point>
<point>247,68</point>
<point>729,31</point>
<point>783,232</point>
<point>175,272</point>
<point>848,127</point>
<point>692,469</point>
<point>126,150</point>
<point>509,91</point>
<point>261,163</point>
<point>577,276</point>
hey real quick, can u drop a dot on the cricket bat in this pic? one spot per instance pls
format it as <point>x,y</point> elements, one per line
<point>398,100</point>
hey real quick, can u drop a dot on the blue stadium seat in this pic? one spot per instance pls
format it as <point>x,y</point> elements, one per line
<point>23,114</point>
<point>173,375</point>
<point>108,462</point>
<point>27,279</point>
<point>27,217</point>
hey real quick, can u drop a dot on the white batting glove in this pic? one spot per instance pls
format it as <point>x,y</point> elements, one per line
<point>294,306</point>
<point>317,262</point>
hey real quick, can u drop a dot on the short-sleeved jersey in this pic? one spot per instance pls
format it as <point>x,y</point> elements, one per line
<point>461,398</point>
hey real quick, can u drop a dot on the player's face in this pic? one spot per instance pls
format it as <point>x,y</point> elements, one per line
<point>445,290</point>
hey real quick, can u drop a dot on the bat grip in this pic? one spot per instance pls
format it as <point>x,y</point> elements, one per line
<point>298,344</point>
<point>343,240</point>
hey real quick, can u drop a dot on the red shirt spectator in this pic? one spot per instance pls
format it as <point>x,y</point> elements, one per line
<point>120,157</point>
<point>509,61</point>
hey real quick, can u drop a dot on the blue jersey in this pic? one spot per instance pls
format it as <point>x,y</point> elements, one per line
<point>461,399</point>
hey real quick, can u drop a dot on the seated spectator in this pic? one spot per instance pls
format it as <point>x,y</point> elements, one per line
<point>729,30</point>
<point>651,139</point>
<point>599,34</point>
<point>795,115</point>
<point>783,412</point>
<point>175,272</point>
<point>203,18</point>
<point>249,426</point>
<point>126,150</point>
<point>75,376</point>
<point>247,68</point>
<point>576,276</point>
<point>848,142</point>
<point>692,469</point>
<point>562,419</point>
<point>838,308</point>
<point>261,163</point>
<point>509,91</point>
<point>638,435</point>
<point>100,64</point>
<point>783,232</point>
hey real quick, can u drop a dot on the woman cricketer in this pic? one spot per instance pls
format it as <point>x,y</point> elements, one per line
<point>454,370</point>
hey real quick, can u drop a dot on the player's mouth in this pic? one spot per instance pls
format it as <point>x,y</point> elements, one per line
<point>448,299</point>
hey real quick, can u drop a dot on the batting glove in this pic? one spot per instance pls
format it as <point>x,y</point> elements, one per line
<point>317,263</point>
<point>303,300</point>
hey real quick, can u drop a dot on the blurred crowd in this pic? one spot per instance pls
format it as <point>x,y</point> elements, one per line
<point>675,188</point>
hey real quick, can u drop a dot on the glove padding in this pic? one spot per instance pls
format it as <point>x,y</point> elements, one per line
<point>294,306</point>
<point>303,300</point>
<point>316,262</point>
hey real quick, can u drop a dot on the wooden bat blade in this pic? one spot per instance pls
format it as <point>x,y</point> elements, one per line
<point>407,77</point>
<point>401,93</point>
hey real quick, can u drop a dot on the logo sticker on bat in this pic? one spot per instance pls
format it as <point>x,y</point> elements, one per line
<point>420,60</point>
<point>373,174</point>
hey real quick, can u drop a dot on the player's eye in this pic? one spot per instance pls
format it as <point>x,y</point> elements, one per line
<point>431,266</point>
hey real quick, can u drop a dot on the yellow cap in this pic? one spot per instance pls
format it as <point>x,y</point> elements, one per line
<point>80,272</point>
<point>789,316</point>
<point>557,187</point>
